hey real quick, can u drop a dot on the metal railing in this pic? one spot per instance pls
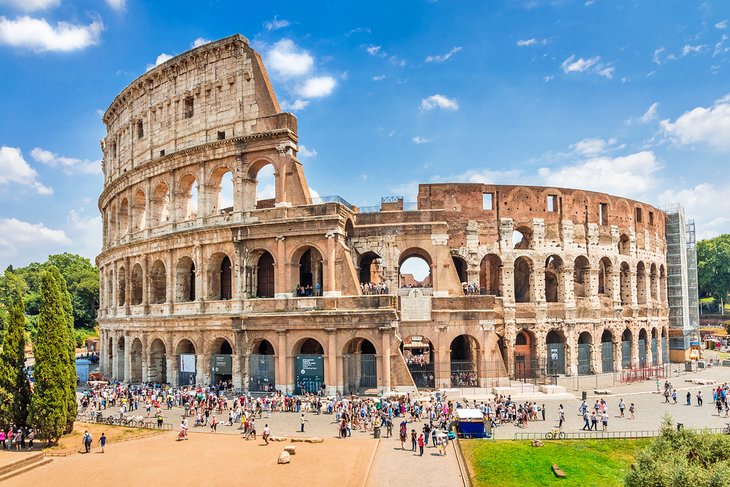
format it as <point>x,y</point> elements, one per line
<point>609,435</point>
<point>332,199</point>
<point>128,422</point>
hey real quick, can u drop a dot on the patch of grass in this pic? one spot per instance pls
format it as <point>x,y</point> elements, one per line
<point>586,463</point>
<point>72,441</point>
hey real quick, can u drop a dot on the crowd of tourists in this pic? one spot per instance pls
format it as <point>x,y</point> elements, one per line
<point>470,289</point>
<point>17,438</point>
<point>368,288</point>
<point>308,290</point>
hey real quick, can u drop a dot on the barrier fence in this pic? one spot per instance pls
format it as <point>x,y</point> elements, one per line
<point>129,422</point>
<point>607,435</point>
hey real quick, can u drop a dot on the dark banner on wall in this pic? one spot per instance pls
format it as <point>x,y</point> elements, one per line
<point>309,373</point>
<point>221,364</point>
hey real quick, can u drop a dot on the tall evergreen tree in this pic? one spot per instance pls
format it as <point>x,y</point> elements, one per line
<point>49,402</point>
<point>13,380</point>
<point>71,404</point>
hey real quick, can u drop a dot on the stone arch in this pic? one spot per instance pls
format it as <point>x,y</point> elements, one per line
<point>490,275</point>
<point>607,354</point>
<point>525,355</point>
<point>464,354</point>
<point>139,210</point>
<point>581,277</point>
<point>186,199</point>
<point>110,282</point>
<point>220,270</point>
<point>221,354</point>
<point>221,190</point>
<point>461,268</point>
<point>524,287</point>
<point>370,268</point>
<point>522,237</point>
<point>158,283</point>
<point>157,368</point>
<point>625,284</point>
<point>137,285</point>
<point>410,258</point>
<point>135,362</point>
<point>624,245</point>
<point>641,281</point>
<point>520,199</point>
<point>605,277</point>
<point>186,362</point>
<point>112,224</point>
<point>419,354</point>
<point>585,353</point>
<point>121,286</point>
<point>265,275</point>
<point>654,346</point>
<point>263,181</point>
<point>642,345</point>
<point>307,270</point>
<point>123,217</point>
<point>653,282</point>
<point>160,203</point>
<point>554,291</point>
<point>360,367</point>
<point>555,342</point>
<point>262,366</point>
<point>308,365</point>
<point>185,280</point>
<point>626,349</point>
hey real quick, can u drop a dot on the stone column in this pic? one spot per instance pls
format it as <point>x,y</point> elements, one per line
<point>200,281</point>
<point>146,284</point>
<point>572,355</point>
<point>169,283</point>
<point>280,169</point>
<point>283,288</point>
<point>174,214</point>
<point>329,285</point>
<point>239,359</point>
<point>170,359</point>
<point>385,356</point>
<point>568,289</point>
<point>147,207</point>
<point>538,283</point>
<point>508,281</point>
<point>634,347</point>
<point>203,209</point>
<point>331,379</point>
<point>130,208</point>
<point>127,285</point>
<point>283,374</point>
<point>127,359</point>
<point>115,289</point>
<point>649,352</point>
<point>145,358</point>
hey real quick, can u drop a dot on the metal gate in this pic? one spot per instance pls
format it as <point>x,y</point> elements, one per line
<point>607,356</point>
<point>464,374</point>
<point>423,375</point>
<point>665,350</point>
<point>642,353</point>
<point>626,355</point>
<point>261,373</point>
<point>654,352</point>
<point>584,358</point>
<point>556,358</point>
<point>361,371</point>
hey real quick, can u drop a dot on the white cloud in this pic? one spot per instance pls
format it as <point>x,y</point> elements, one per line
<point>443,57</point>
<point>396,61</point>
<point>276,23</point>
<point>15,170</point>
<point>117,4</point>
<point>703,125</point>
<point>688,49</point>
<point>317,87</point>
<point>701,204</point>
<point>39,36</point>
<point>439,101</point>
<point>376,51</point>
<point>287,60</point>
<point>313,192</point>
<point>70,165</point>
<point>592,146</point>
<point>548,78</point>
<point>199,42</point>
<point>380,77</point>
<point>590,65</point>
<point>306,152</point>
<point>720,47</point>
<point>657,55</point>
<point>650,114</point>
<point>20,239</point>
<point>721,25</point>
<point>86,233</point>
<point>31,5</point>
<point>483,176</point>
<point>630,175</point>
<point>160,59</point>
<point>531,42</point>
<point>420,140</point>
<point>295,106</point>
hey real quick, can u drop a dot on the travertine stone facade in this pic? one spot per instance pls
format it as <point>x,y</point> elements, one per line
<point>241,289</point>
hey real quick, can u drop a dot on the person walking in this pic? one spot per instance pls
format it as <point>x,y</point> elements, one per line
<point>421,443</point>
<point>604,420</point>
<point>266,434</point>
<point>301,421</point>
<point>674,395</point>
<point>622,405</point>
<point>587,420</point>
<point>542,410</point>
<point>403,433</point>
<point>561,417</point>
<point>632,411</point>
<point>414,441</point>
<point>31,437</point>
<point>699,398</point>
<point>102,442</point>
<point>87,441</point>
<point>594,421</point>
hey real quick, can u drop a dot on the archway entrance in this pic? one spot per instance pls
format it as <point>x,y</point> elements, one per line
<point>626,349</point>
<point>607,351</point>
<point>642,348</point>
<point>157,369</point>
<point>418,354</point>
<point>309,367</point>
<point>414,269</point>
<point>461,271</point>
<point>555,353</point>
<point>490,275</point>
<point>186,363</point>
<point>261,368</point>
<point>310,273</point>
<point>135,362</point>
<point>360,366</point>
<point>464,362</point>
<point>265,276</point>
<point>584,353</point>
<point>221,363</point>
<point>525,356</point>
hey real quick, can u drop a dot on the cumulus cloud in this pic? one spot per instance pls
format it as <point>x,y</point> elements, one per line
<point>288,60</point>
<point>19,238</point>
<point>317,87</point>
<point>590,65</point>
<point>307,152</point>
<point>276,23</point>
<point>69,165</point>
<point>160,59</point>
<point>31,5</point>
<point>420,140</point>
<point>376,51</point>
<point>40,36</point>
<point>689,49</point>
<point>439,58</point>
<point>531,42</point>
<point>702,125</point>
<point>592,146</point>
<point>199,42</point>
<point>721,25</point>
<point>15,170</point>
<point>117,4</point>
<point>439,101</point>
<point>86,232</point>
<point>701,204</point>
<point>294,106</point>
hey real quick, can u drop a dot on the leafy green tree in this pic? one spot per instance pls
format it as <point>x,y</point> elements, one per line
<point>713,267</point>
<point>49,402</point>
<point>14,385</point>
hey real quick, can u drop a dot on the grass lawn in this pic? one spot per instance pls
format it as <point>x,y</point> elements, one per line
<point>517,463</point>
<point>72,441</point>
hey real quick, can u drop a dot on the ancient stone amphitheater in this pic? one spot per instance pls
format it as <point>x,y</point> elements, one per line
<point>300,293</point>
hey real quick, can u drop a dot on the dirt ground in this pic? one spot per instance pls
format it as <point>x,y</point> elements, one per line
<point>73,442</point>
<point>208,459</point>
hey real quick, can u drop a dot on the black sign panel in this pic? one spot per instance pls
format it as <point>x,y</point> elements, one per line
<point>309,373</point>
<point>221,364</point>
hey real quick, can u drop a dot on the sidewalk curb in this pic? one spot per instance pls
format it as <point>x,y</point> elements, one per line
<point>370,464</point>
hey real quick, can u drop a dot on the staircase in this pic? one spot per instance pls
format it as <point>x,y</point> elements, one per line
<point>24,464</point>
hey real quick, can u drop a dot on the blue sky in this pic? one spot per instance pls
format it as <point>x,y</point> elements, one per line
<point>631,98</point>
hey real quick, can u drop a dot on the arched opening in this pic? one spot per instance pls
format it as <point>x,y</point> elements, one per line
<point>310,273</point>
<point>642,348</point>
<point>641,283</point>
<point>120,361</point>
<point>185,280</point>
<point>490,275</point>
<point>605,278</point>
<point>653,282</point>
<point>555,342</point>
<point>186,200</point>
<point>112,233</point>
<point>261,368</point>
<point>460,266</point>
<point>109,299</point>
<point>654,348</point>
<point>626,349</point>
<point>521,238</point>
<point>371,274</point>
<point>122,287</point>
<point>221,363</point>
<point>464,357</point>
<point>186,363</point>
<point>625,284</point>
<point>123,217</point>
<point>607,351</point>
<point>624,245</point>
<point>662,286</point>
<point>349,232</point>
<point>221,191</point>
<point>414,269</point>
<point>581,277</point>
<point>220,276</point>
<point>418,354</point>
<point>525,355</point>
<point>265,180</point>
<point>158,283</point>
<point>665,346</point>
<point>553,274</point>
<point>523,280</point>
<point>265,284</point>
<point>110,356</point>
<point>157,369</point>
<point>584,353</point>
<point>139,211</point>
<point>360,366</point>
<point>309,367</point>
<point>137,285</point>
<point>135,362</point>
<point>160,214</point>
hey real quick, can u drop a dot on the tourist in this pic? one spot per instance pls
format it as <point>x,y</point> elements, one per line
<point>31,437</point>
<point>214,424</point>
<point>594,421</point>
<point>266,434</point>
<point>543,412</point>
<point>561,417</point>
<point>301,421</point>
<point>403,432</point>
<point>632,410</point>
<point>699,398</point>
<point>622,405</point>
<point>414,441</point>
<point>674,396</point>
<point>102,442</point>
<point>587,420</point>
<point>421,443</point>
<point>604,420</point>
<point>689,398</point>
<point>87,441</point>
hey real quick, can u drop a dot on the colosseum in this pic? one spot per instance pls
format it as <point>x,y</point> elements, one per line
<point>297,293</point>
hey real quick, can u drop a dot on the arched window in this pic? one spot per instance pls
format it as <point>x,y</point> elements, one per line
<point>124,217</point>
<point>221,191</point>
<point>553,274</point>
<point>521,238</point>
<point>186,199</point>
<point>137,285</point>
<point>158,283</point>
<point>185,280</point>
<point>159,203</point>
<point>605,277</point>
<point>220,273</point>
<point>139,211</point>
<point>641,281</point>
<point>415,270</point>
<point>265,181</point>
<point>122,287</point>
<point>581,277</point>
<point>523,280</point>
<point>624,245</point>
<point>265,276</point>
<point>625,281</point>
<point>490,275</point>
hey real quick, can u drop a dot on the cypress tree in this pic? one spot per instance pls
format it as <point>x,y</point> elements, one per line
<point>49,411</point>
<point>13,380</point>
<point>71,403</point>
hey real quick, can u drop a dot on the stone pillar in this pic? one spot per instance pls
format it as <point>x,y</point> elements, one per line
<point>572,343</point>
<point>115,289</point>
<point>280,172</point>
<point>509,341</point>
<point>146,284</point>
<point>127,359</point>
<point>147,207</point>
<point>331,379</point>
<point>283,288</point>
<point>634,347</point>
<point>649,353</point>
<point>442,367</point>
<point>174,214</point>
<point>130,209</point>
<point>538,283</point>
<point>592,289</point>
<point>170,283</point>
<point>203,209</point>
<point>145,358</point>
<point>615,277</point>
<point>508,281</point>
<point>239,361</point>
<point>617,355</point>
<point>127,285</point>
<point>170,360</point>
<point>568,289</point>
<point>282,372</point>
<point>200,281</point>
<point>385,355</point>
<point>329,285</point>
